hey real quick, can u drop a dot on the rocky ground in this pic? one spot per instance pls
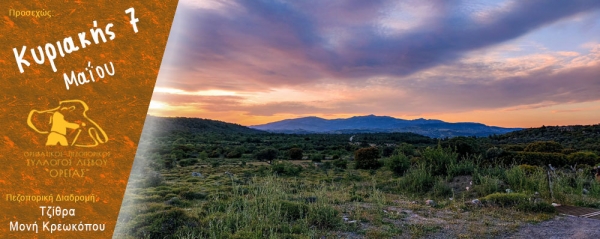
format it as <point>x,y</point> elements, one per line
<point>560,227</point>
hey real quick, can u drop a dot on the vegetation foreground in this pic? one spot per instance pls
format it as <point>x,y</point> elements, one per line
<point>225,181</point>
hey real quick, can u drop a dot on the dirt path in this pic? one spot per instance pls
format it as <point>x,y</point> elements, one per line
<point>561,227</point>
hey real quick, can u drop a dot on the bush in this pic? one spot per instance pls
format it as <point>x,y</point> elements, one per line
<point>516,178</point>
<point>296,153</point>
<point>354,176</point>
<point>324,217</point>
<point>406,149</point>
<point>514,147</point>
<point>188,162</point>
<point>235,154</point>
<point>340,163</point>
<point>417,180</point>
<point>463,146</point>
<point>568,151</point>
<point>588,158</point>
<point>153,179</point>
<point>268,154</point>
<point>505,199</point>
<point>544,147</point>
<point>366,158</point>
<point>163,224</point>
<point>327,165</point>
<point>203,155</point>
<point>529,169</point>
<point>441,189</point>
<point>438,159</point>
<point>493,153</point>
<point>398,163</point>
<point>464,167</point>
<point>488,185</point>
<point>293,210</point>
<point>317,158</point>
<point>541,207</point>
<point>286,169</point>
<point>534,158</point>
<point>190,195</point>
<point>387,151</point>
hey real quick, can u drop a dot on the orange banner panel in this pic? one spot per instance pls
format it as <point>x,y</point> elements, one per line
<point>76,81</point>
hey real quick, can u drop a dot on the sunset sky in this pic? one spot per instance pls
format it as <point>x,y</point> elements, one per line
<point>506,63</point>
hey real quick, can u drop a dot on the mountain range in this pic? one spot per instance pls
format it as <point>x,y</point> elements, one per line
<point>381,124</point>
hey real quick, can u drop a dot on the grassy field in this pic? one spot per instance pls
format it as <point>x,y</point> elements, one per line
<point>238,198</point>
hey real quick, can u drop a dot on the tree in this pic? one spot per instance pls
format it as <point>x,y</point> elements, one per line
<point>463,146</point>
<point>267,154</point>
<point>296,154</point>
<point>366,158</point>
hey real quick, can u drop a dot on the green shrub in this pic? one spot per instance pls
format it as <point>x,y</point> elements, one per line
<point>153,179</point>
<point>464,167</point>
<point>293,210</point>
<point>188,162</point>
<point>417,180</point>
<point>540,207</point>
<point>177,202</point>
<point>441,189</point>
<point>406,149</point>
<point>191,195</point>
<point>324,217</point>
<point>317,157</point>
<point>366,158</point>
<point>340,163</point>
<point>506,199</point>
<point>286,169</point>
<point>544,147</point>
<point>587,158</point>
<point>568,151</point>
<point>162,224</point>
<point>534,158</point>
<point>234,154</point>
<point>437,159</point>
<point>295,153</point>
<point>398,163</point>
<point>529,169</point>
<point>463,146</point>
<point>354,176</point>
<point>514,147</point>
<point>488,185</point>
<point>493,153</point>
<point>387,151</point>
<point>203,155</point>
<point>516,178</point>
<point>267,154</point>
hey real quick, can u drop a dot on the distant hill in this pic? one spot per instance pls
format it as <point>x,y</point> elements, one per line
<point>381,124</point>
<point>574,136</point>
<point>194,125</point>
